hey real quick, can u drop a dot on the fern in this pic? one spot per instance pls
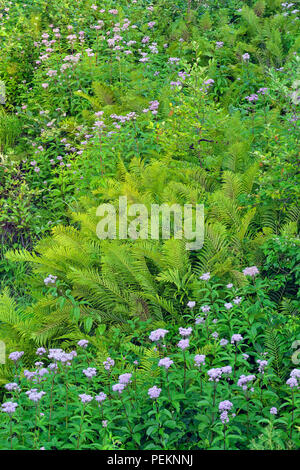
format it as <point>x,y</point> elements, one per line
<point>274,348</point>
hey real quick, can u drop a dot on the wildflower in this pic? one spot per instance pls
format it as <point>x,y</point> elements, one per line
<point>178,83</point>
<point>154,392</point>
<point>125,378</point>
<point>52,73</point>
<point>65,358</point>
<point>191,304</point>
<point>101,397</point>
<point>45,85</point>
<point>205,277</point>
<point>154,106</point>
<point>236,338</point>
<point>182,75</point>
<point>108,363</point>
<point>99,124</point>
<point>253,97</point>
<point>185,331</point>
<point>205,308</point>
<point>215,335</point>
<point>85,398</point>
<point>246,57</point>
<point>174,60</point>
<point>90,372</point>
<point>292,382</point>
<point>210,81</point>
<point>295,374</point>
<point>244,381</point>
<point>226,370</point>
<point>199,359</point>
<point>156,335</point>
<point>214,374</point>
<point>9,407</point>
<point>251,271</point>
<point>183,344</point>
<point>104,423</point>
<point>224,417</point>
<point>199,320</point>
<point>42,372</point>
<point>262,90</point>
<point>40,351</point>
<point>55,354</point>
<point>12,386</point>
<point>165,362</point>
<point>34,395</point>
<point>273,410</point>
<point>223,342</point>
<point>262,365</point>
<point>245,356</point>
<point>28,374</point>
<point>228,305</point>
<point>225,405</point>
<point>229,286</point>
<point>83,343</point>
<point>237,300</point>
<point>50,279</point>
<point>118,388</point>
<point>219,44</point>
<point>16,355</point>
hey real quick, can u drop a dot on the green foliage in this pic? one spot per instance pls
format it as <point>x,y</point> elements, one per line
<point>182,102</point>
<point>185,414</point>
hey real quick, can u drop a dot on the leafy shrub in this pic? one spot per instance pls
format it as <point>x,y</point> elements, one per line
<point>200,387</point>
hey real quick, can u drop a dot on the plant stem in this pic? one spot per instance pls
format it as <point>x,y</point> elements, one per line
<point>248,421</point>
<point>235,359</point>
<point>184,373</point>
<point>213,414</point>
<point>35,426</point>
<point>50,412</point>
<point>10,430</point>
<point>159,425</point>
<point>80,429</point>
<point>293,405</point>
<point>168,385</point>
<point>130,429</point>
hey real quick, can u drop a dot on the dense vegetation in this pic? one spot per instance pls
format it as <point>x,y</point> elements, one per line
<point>142,344</point>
